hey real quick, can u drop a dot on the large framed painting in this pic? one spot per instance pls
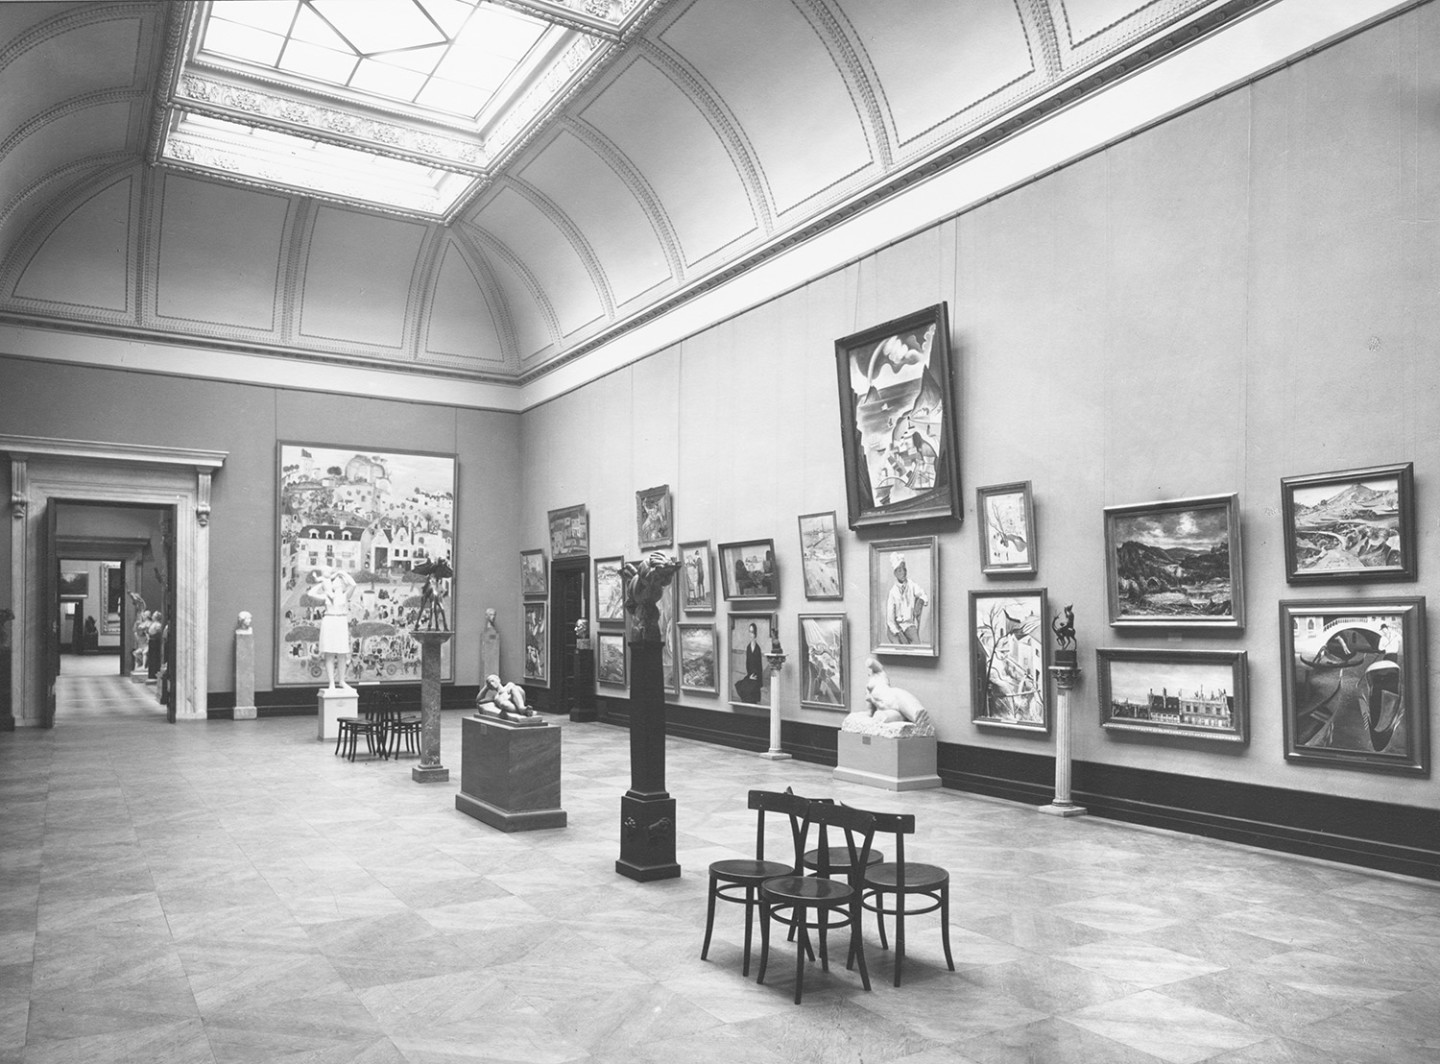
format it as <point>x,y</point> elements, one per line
<point>905,597</point>
<point>697,577</point>
<point>654,517</point>
<point>699,659</point>
<point>750,638</point>
<point>1350,527</point>
<point>1008,658</point>
<point>376,516</point>
<point>1353,674</point>
<point>897,420</point>
<point>1184,694</point>
<point>1007,530</point>
<point>610,659</point>
<point>609,591</point>
<point>820,556</point>
<point>534,575</point>
<point>569,532</point>
<point>747,570</point>
<point>824,662</point>
<point>1175,564</point>
<point>537,643</point>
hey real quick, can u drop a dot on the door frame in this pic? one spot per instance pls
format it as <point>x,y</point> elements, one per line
<point>562,629</point>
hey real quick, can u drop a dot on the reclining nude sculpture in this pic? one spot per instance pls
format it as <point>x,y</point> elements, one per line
<point>890,711</point>
<point>506,701</point>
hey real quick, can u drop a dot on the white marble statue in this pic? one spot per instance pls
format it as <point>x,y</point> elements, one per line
<point>332,588</point>
<point>890,711</point>
<point>244,621</point>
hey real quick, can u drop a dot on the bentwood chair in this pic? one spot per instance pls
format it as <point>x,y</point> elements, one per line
<point>821,902</point>
<point>736,880</point>
<point>904,880</point>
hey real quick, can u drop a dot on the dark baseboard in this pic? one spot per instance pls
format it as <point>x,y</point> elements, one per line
<point>743,730</point>
<point>300,701</point>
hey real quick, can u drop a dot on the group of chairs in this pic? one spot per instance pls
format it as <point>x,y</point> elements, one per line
<point>384,734</point>
<point>828,887</point>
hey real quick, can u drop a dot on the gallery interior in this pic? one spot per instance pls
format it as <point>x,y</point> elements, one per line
<point>1111,310</point>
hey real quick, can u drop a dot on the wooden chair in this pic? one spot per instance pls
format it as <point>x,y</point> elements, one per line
<point>738,879</point>
<point>351,728</point>
<point>407,730</point>
<point>905,879</point>
<point>793,898</point>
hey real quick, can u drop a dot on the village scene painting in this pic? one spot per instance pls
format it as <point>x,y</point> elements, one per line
<point>1194,693</point>
<point>1007,647</point>
<point>1174,562</point>
<point>376,516</point>
<point>1350,526</point>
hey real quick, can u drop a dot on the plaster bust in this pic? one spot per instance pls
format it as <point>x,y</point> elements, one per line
<point>243,622</point>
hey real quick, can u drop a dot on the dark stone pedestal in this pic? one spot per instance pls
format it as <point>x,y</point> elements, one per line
<point>582,691</point>
<point>647,812</point>
<point>510,774</point>
<point>430,770</point>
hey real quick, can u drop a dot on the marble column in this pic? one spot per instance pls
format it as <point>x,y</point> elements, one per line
<point>775,660</point>
<point>1066,676</point>
<point>430,770</point>
<point>244,674</point>
<point>647,812</point>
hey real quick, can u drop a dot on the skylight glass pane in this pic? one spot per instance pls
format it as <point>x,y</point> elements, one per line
<point>274,16</point>
<point>319,63</point>
<point>379,25</point>
<point>242,42</point>
<point>450,15</point>
<point>387,81</point>
<point>453,97</point>
<point>312,29</point>
<point>497,31</point>
<point>422,60</point>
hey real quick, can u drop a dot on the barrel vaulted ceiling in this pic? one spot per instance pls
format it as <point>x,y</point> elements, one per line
<point>696,139</point>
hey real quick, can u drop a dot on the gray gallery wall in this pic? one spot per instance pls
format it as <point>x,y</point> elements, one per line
<point>1243,293</point>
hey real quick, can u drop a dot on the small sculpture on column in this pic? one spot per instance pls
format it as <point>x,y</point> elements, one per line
<point>431,614</point>
<point>775,659</point>
<point>1066,672</point>
<point>244,667</point>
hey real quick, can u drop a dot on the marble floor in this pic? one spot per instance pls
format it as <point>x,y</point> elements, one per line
<point>231,892</point>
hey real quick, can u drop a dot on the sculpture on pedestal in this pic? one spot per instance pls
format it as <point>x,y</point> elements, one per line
<point>506,701</point>
<point>1064,631</point>
<point>140,631</point>
<point>331,587</point>
<point>890,711</point>
<point>244,621</point>
<point>431,614</point>
<point>645,581</point>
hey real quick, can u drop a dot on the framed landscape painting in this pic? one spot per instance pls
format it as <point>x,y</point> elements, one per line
<point>897,420</point>
<point>747,570</point>
<point>697,577</point>
<point>905,597</point>
<point>569,532</point>
<point>75,585</point>
<point>534,576</point>
<point>610,659</point>
<point>654,517</point>
<point>1175,564</point>
<point>820,556</point>
<point>824,662</point>
<point>1007,530</point>
<point>750,636</point>
<point>1353,676</point>
<point>1350,527</point>
<point>1187,694</point>
<point>537,635</point>
<point>373,515</point>
<point>1009,653</point>
<point>609,591</point>
<point>699,659</point>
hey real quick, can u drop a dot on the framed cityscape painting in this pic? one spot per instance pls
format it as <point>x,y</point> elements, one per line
<point>1353,676</point>
<point>699,659</point>
<point>569,532</point>
<point>750,638</point>
<point>1007,530</point>
<point>537,634</point>
<point>373,515</point>
<point>1187,694</point>
<point>820,556</point>
<point>1350,527</point>
<point>610,659</point>
<point>747,570</point>
<point>1175,564</point>
<point>1009,654</point>
<point>654,517</point>
<point>824,662</point>
<point>534,576</point>
<point>897,420</point>
<point>905,597</point>
<point>697,577</point>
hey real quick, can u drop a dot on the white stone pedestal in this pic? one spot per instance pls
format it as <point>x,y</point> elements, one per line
<point>244,674</point>
<point>896,764</point>
<point>775,753</point>
<point>335,703</point>
<point>1065,678</point>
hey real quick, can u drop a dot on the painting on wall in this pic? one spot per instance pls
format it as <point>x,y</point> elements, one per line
<point>1008,657</point>
<point>569,532</point>
<point>750,636</point>
<point>820,556</point>
<point>610,659</point>
<point>1353,674</point>
<point>537,633</point>
<point>1007,530</point>
<point>654,517</point>
<point>697,577</point>
<point>1175,564</point>
<point>534,576</point>
<point>897,420</point>
<point>375,516</point>
<point>699,659</point>
<point>112,580</point>
<point>75,585</point>
<point>609,591</point>
<point>824,663</point>
<point>1187,694</point>
<point>905,597</point>
<point>747,570</point>
<point>1351,527</point>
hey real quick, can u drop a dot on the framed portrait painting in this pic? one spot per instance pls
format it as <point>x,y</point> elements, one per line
<point>897,420</point>
<point>750,636</point>
<point>1007,530</point>
<point>697,577</point>
<point>820,556</point>
<point>1350,527</point>
<point>905,597</point>
<point>824,662</point>
<point>569,532</point>
<point>1353,677</point>
<point>610,659</point>
<point>537,642</point>
<point>1009,654</point>
<point>1185,694</point>
<point>699,659</point>
<point>654,517</point>
<point>1175,564</point>
<point>747,570</point>
<point>534,575</point>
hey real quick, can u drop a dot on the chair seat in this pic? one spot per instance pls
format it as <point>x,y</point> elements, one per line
<point>805,890</point>
<point>738,870</point>
<point>839,859</point>
<point>918,877</point>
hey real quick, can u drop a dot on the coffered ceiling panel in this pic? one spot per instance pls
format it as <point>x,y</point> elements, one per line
<point>532,322</point>
<point>357,278</point>
<point>1091,29</point>
<point>461,329</point>
<point>84,263</point>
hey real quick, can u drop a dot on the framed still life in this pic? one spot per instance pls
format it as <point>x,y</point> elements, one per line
<point>697,577</point>
<point>1184,694</point>
<point>1351,527</point>
<point>905,597</point>
<point>820,556</point>
<point>747,570</point>
<point>569,532</point>
<point>1175,564</point>
<point>1353,676</point>
<point>1007,530</point>
<point>1009,654</point>
<point>824,662</point>
<point>654,517</point>
<point>609,591</point>
<point>897,420</point>
<point>534,577</point>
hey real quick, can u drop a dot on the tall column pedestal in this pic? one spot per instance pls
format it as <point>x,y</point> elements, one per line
<point>775,753</point>
<point>647,812</point>
<point>430,770</point>
<point>334,703</point>
<point>244,674</point>
<point>1066,676</point>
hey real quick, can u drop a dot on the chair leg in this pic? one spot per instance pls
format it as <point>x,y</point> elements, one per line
<point>822,922</point>
<point>945,924</point>
<point>749,919</point>
<point>880,918</point>
<point>899,935</point>
<point>764,938</point>
<point>710,920</point>
<point>799,911</point>
<point>339,735</point>
<point>857,946</point>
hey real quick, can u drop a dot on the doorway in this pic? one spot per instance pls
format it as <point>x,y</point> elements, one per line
<point>569,592</point>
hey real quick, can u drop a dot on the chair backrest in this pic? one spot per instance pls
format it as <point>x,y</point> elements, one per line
<point>782,803</point>
<point>858,827</point>
<point>897,824</point>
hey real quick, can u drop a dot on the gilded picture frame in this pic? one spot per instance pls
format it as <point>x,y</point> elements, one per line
<point>820,556</point>
<point>1175,694</point>
<point>1010,660</point>
<point>1006,516</point>
<point>905,606</point>
<point>824,661</point>
<point>697,577</point>
<point>1354,526</point>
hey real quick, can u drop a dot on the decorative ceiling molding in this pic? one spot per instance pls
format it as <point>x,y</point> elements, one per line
<point>844,46</point>
<point>489,288</point>
<point>493,245</point>
<point>572,233</point>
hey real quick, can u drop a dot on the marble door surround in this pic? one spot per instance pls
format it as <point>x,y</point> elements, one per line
<point>43,469</point>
